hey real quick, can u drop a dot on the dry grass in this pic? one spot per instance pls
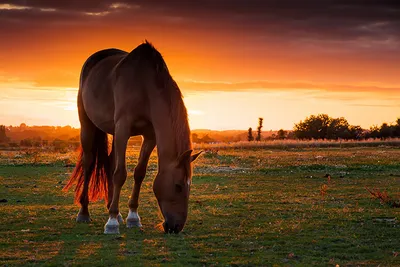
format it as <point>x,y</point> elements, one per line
<point>288,144</point>
<point>384,198</point>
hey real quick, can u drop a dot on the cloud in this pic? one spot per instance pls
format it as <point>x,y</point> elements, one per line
<point>8,82</point>
<point>287,86</point>
<point>375,105</point>
<point>13,7</point>
<point>305,20</point>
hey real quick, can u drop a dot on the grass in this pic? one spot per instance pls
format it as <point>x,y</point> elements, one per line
<point>248,207</point>
<point>298,144</point>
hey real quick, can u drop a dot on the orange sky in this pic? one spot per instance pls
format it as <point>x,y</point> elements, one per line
<point>234,63</point>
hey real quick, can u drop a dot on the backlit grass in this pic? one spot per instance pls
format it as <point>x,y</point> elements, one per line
<point>247,207</point>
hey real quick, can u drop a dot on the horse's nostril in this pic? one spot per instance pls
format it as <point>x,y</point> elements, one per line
<point>177,228</point>
<point>170,228</point>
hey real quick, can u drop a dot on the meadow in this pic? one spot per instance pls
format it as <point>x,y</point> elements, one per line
<point>283,205</point>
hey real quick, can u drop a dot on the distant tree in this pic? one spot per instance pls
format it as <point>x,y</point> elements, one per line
<point>338,128</point>
<point>396,128</point>
<point>26,142</point>
<point>207,139</point>
<point>281,134</point>
<point>260,122</point>
<point>385,131</point>
<point>356,132</point>
<point>3,135</point>
<point>313,127</point>
<point>373,132</point>
<point>324,127</point>
<point>195,138</point>
<point>250,135</point>
<point>59,145</point>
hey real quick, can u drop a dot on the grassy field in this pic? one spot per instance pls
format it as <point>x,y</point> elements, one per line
<point>248,207</point>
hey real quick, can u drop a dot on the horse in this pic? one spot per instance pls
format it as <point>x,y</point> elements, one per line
<point>121,95</point>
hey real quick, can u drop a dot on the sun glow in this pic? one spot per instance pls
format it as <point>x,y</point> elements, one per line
<point>217,110</point>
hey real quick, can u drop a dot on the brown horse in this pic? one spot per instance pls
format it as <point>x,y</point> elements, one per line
<point>127,94</point>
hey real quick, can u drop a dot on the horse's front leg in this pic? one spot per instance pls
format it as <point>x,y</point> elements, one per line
<point>133,218</point>
<point>121,138</point>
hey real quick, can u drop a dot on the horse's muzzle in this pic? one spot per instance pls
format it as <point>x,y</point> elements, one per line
<point>172,228</point>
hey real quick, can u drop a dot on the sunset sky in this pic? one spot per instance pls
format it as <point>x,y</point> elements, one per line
<point>234,60</point>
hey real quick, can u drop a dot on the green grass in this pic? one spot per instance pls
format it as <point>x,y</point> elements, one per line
<point>247,207</point>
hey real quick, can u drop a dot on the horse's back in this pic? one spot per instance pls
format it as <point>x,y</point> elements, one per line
<point>96,89</point>
<point>96,58</point>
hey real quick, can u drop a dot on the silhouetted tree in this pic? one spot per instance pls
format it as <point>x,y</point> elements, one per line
<point>3,135</point>
<point>313,127</point>
<point>396,128</point>
<point>385,131</point>
<point>373,132</point>
<point>281,134</point>
<point>260,121</point>
<point>338,128</point>
<point>324,127</point>
<point>250,135</point>
<point>356,132</point>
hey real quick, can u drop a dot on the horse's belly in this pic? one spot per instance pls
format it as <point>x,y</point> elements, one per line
<point>99,106</point>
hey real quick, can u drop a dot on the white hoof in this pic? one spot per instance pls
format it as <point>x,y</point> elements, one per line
<point>112,226</point>
<point>133,220</point>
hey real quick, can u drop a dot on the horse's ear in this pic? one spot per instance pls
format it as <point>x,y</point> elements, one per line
<point>194,157</point>
<point>184,157</point>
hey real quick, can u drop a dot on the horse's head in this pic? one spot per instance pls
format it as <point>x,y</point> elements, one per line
<point>171,188</point>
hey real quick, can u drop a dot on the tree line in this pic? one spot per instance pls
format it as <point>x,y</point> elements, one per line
<point>322,126</point>
<point>319,126</point>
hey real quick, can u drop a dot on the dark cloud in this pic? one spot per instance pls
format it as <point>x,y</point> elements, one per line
<point>330,38</point>
<point>316,19</point>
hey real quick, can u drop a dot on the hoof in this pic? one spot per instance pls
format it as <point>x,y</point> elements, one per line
<point>133,223</point>
<point>112,226</point>
<point>119,218</point>
<point>111,229</point>
<point>82,218</point>
<point>133,220</point>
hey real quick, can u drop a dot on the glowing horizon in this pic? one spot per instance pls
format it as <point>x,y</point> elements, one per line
<point>207,109</point>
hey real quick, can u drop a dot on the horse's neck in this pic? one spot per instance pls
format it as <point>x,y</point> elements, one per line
<point>170,143</point>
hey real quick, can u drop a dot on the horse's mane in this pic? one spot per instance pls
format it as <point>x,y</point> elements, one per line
<point>171,93</point>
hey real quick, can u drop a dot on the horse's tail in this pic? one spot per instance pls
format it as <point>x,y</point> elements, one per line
<point>98,185</point>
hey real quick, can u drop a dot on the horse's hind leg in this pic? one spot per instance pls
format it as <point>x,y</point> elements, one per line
<point>133,218</point>
<point>89,157</point>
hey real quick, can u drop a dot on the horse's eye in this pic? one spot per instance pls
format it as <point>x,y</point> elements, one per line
<point>178,188</point>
